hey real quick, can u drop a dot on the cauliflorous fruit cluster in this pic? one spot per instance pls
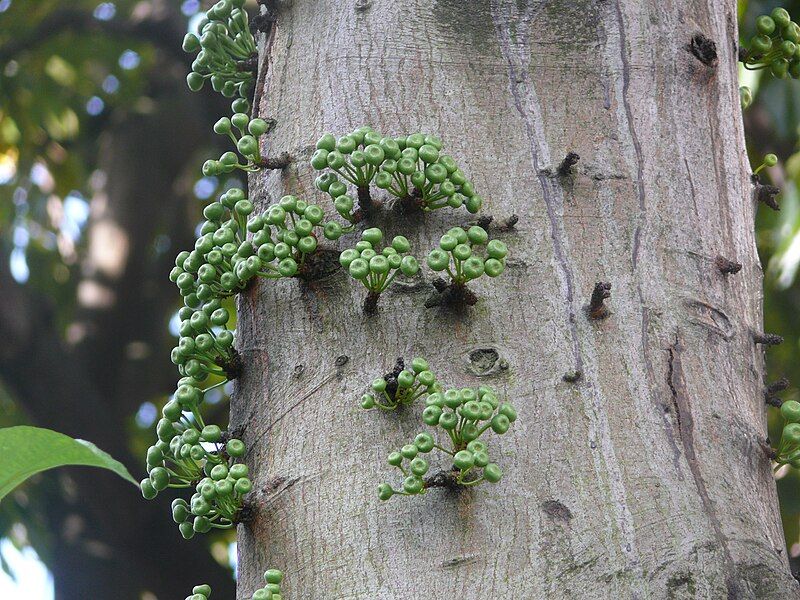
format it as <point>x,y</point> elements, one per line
<point>189,453</point>
<point>271,591</point>
<point>377,267</point>
<point>410,168</point>
<point>402,387</point>
<point>776,45</point>
<point>457,255</point>
<point>244,132</point>
<point>462,416</point>
<point>788,451</point>
<point>223,45</point>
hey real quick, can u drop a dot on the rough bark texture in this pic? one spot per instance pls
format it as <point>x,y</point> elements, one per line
<point>643,477</point>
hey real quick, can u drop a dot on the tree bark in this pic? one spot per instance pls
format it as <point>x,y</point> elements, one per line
<point>639,474</point>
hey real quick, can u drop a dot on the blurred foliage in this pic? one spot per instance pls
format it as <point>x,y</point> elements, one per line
<point>68,70</point>
<point>772,124</point>
<point>61,78</point>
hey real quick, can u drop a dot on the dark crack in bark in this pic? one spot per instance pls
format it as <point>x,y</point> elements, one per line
<point>685,423</point>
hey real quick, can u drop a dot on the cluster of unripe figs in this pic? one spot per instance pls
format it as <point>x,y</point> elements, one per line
<point>775,46</point>
<point>462,416</point>
<point>223,44</point>
<point>788,450</point>
<point>237,243</point>
<point>270,591</point>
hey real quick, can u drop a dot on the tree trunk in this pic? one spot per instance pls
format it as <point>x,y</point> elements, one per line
<point>641,478</point>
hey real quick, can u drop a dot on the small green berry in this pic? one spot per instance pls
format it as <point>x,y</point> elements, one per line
<point>431,415</point>
<point>413,485</point>
<point>427,378</point>
<point>463,460</point>
<point>790,411</point>
<point>409,266</point>
<point>235,448</point>
<point>385,491</point>
<point>378,264</point>
<point>481,459</point>
<point>500,423</point>
<point>438,260</point>
<point>511,414</point>
<point>187,530</point>
<point>493,267</point>
<point>273,576</point>
<point>492,473</point>
<point>345,144</point>
<point>765,25</point>
<point>419,466</point>
<point>496,249</point>
<point>374,154</point>
<point>326,142</point>
<point>791,433</point>
<point>367,401</point>
<point>243,486</point>
<point>372,235</point>
<point>448,421</point>
<point>424,442</point>
<point>148,491</point>
<point>418,365</point>
<point>405,379</point>
<point>780,68</point>
<point>258,127</point>
<point>409,451</point>
<point>477,235</point>
<point>359,269</point>
<point>477,446</point>
<point>222,126</point>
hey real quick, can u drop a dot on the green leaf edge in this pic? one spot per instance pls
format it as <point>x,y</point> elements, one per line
<point>14,470</point>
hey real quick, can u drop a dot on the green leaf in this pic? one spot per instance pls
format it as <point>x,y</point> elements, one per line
<point>25,451</point>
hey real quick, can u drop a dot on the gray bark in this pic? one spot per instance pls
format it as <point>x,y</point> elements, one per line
<point>642,479</point>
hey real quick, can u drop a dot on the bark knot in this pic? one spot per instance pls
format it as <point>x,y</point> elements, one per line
<point>506,224</point>
<point>727,266</point>
<point>484,361</point>
<point>565,168</point>
<point>557,510</point>
<point>703,49</point>
<point>597,310</point>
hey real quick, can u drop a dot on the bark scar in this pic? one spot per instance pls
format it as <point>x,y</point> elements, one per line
<point>557,510</point>
<point>703,49</point>
<point>685,422</point>
<point>641,220</point>
<point>459,560</point>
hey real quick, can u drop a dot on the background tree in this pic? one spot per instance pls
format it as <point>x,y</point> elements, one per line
<point>87,333</point>
<point>645,476</point>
